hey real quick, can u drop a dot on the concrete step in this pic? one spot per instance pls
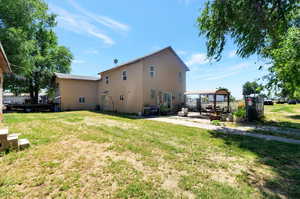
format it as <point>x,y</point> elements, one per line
<point>23,144</point>
<point>3,139</point>
<point>3,133</point>
<point>12,140</point>
<point>13,136</point>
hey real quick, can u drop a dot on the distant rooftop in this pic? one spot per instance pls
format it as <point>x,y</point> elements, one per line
<point>76,77</point>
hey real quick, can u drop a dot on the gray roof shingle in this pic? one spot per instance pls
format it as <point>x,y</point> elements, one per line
<point>75,77</point>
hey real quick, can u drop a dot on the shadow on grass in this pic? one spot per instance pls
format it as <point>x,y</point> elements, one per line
<point>285,124</point>
<point>284,159</point>
<point>295,117</point>
<point>126,115</point>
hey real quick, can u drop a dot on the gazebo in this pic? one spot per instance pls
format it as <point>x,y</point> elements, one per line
<point>212,101</point>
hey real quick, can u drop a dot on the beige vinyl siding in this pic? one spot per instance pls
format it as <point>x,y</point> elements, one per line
<point>166,79</point>
<point>72,90</point>
<point>130,90</point>
<point>158,74</point>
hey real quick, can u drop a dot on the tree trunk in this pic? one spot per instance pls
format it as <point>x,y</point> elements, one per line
<point>36,88</point>
<point>36,95</point>
<point>34,91</point>
<point>31,90</point>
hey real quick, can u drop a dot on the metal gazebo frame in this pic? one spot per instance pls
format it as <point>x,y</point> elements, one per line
<point>213,93</point>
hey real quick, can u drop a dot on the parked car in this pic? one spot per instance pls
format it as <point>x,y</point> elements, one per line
<point>281,101</point>
<point>292,102</point>
<point>268,102</point>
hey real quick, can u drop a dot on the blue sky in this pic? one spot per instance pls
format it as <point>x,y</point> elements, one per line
<point>99,31</point>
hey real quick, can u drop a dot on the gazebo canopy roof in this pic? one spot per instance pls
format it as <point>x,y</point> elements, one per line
<point>208,92</point>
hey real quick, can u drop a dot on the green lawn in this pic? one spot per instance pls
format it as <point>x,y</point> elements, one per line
<point>284,115</point>
<point>92,155</point>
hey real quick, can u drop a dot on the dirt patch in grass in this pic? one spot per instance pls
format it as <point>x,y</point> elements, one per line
<point>169,178</point>
<point>171,184</point>
<point>78,168</point>
<point>71,167</point>
<point>228,168</point>
<point>92,121</point>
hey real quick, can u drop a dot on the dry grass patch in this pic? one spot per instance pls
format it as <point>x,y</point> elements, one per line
<point>92,121</point>
<point>71,167</point>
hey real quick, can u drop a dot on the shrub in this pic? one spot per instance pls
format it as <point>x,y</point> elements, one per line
<point>216,122</point>
<point>164,109</point>
<point>240,113</point>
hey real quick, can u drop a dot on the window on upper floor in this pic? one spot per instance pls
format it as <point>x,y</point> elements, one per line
<point>151,71</point>
<point>124,75</point>
<point>106,79</point>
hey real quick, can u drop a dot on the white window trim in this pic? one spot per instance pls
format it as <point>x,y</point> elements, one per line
<point>80,100</point>
<point>122,76</point>
<point>106,79</point>
<point>152,71</point>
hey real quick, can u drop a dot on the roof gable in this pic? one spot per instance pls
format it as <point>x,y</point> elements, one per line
<point>147,56</point>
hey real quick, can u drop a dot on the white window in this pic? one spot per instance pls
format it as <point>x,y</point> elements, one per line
<point>106,79</point>
<point>152,71</point>
<point>81,100</point>
<point>124,75</point>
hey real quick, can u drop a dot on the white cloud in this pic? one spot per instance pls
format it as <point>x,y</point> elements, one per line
<point>181,52</point>
<point>92,52</point>
<point>187,2</point>
<point>222,72</point>
<point>232,54</point>
<point>76,61</point>
<point>197,59</point>
<point>104,20</point>
<point>79,24</point>
<point>217,77</point>
<point>239,66</point>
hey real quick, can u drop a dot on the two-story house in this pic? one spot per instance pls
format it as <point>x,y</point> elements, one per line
<point>153,80</point>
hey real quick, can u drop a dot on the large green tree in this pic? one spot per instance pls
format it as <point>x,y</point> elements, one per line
<point>251,88</point>
<point>26,32</point>
<point>253,24</point>
<point>285,60</point>
<point>259,27</point>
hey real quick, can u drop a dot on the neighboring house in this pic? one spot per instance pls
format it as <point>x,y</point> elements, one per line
<point>4,68</point>
<point>153,80</point>
<point>23,98</point>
